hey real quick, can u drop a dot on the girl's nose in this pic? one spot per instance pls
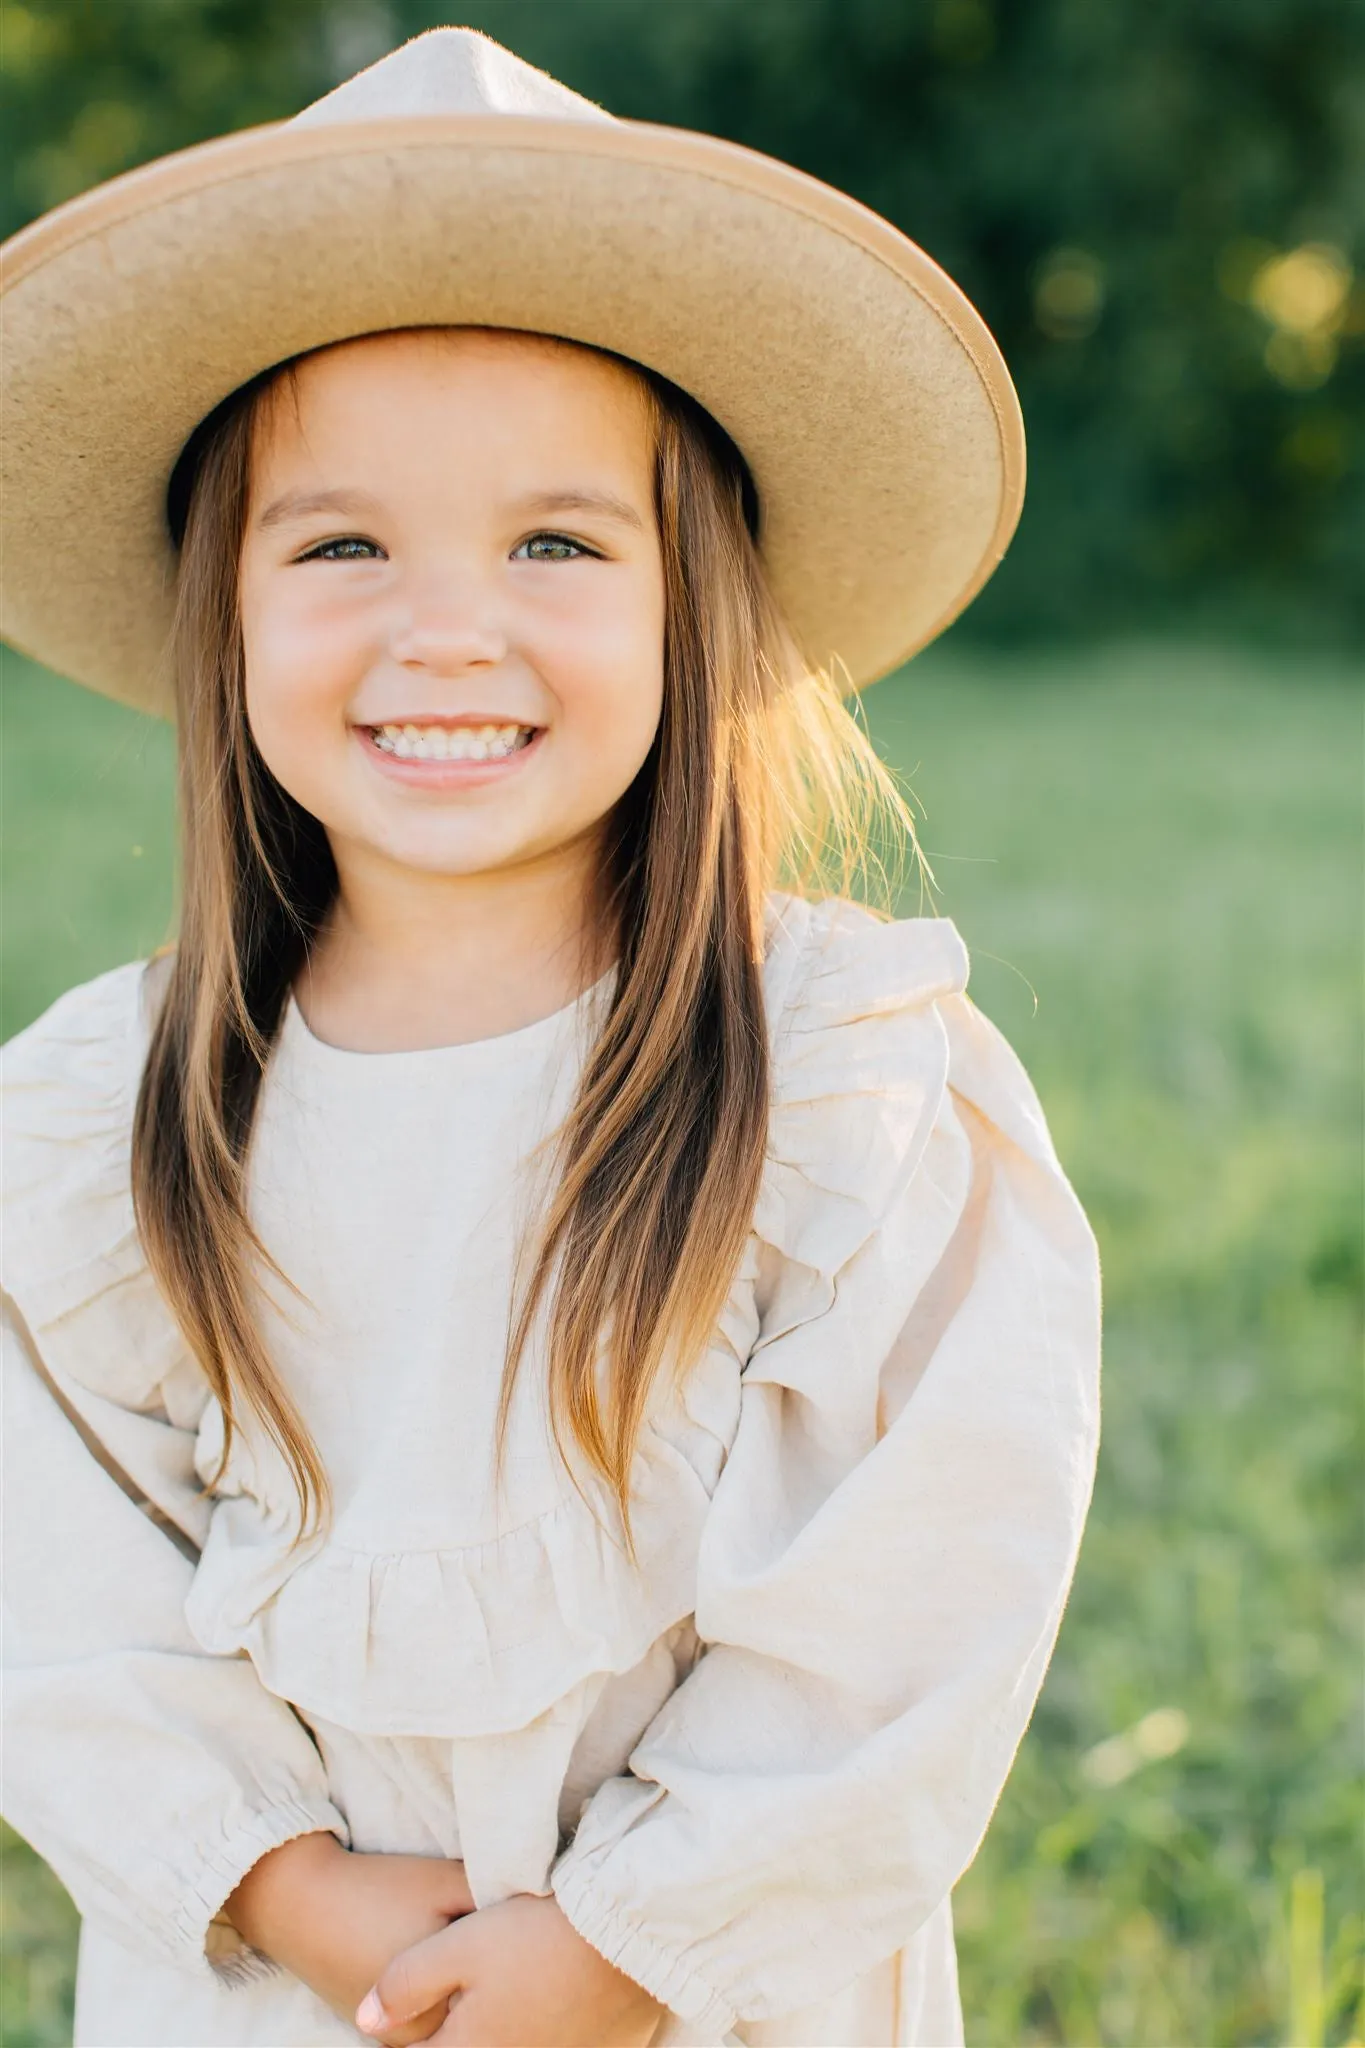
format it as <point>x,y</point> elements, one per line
<point>448,632</point>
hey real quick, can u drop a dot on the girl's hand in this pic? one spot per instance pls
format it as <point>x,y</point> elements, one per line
<point>518,1975</point>
<point>335,1919</point>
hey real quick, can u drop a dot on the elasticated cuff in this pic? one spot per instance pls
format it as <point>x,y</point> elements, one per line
<point>666,1977</point>
<point>200,1924</point>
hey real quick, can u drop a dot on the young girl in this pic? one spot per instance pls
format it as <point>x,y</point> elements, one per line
<point>550,1363</point>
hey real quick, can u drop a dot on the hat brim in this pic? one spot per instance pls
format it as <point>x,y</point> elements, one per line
<point>868,396</point>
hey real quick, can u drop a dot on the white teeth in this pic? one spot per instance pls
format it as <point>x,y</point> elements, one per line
<point>451,743</point>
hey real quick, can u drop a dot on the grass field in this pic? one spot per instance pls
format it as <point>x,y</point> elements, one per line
<point>1155,855</point>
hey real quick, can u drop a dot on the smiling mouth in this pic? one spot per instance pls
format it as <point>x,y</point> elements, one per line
<point>452,742</point>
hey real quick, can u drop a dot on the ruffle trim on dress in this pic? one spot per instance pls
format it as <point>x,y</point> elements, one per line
<point>485,1638</point>
<point>71,1255</point>
<point>456,1643</point>
<point>860,1063</point>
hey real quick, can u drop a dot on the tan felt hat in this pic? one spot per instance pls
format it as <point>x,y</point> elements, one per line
<point>448,184</point>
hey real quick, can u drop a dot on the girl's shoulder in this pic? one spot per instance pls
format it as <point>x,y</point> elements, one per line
<point>875,1042</point>
<point>72,1261</point>
<point>76,1067</point>
<point>838,960</point>
<point>901,1117</point>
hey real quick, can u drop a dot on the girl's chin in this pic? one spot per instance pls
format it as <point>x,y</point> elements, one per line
<point>439,858</point>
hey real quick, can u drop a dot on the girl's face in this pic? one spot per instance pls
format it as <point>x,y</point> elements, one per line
<point>452,596</point>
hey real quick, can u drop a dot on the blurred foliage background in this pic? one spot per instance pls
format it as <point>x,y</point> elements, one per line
<point>1139,763</point>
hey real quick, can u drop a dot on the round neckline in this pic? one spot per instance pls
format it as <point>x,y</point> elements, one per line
<point>296,1030</point>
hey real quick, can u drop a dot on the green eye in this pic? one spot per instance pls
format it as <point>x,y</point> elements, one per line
<point>347,549</point>
<point>550,547</point>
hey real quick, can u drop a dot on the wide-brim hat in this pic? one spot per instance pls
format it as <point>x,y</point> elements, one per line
<point>452,184</point>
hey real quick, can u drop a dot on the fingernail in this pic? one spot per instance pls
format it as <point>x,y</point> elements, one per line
<point>369,2013</point>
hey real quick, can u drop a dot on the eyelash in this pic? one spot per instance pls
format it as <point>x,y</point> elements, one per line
<point>323,551</point>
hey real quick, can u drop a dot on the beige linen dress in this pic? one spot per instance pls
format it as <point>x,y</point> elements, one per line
<point>750,1771</point>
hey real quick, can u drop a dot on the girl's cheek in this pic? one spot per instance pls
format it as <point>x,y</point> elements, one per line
<point>294,714</point>
<point>607,655</point>
<point>305,659</point>
<point>613,695</point>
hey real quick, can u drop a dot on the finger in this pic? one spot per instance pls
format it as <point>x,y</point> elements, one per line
<point>451,2030</point>
<point>423,2028</point>
<point>417,1979</point>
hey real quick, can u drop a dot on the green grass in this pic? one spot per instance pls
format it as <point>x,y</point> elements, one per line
<point>1155,856</point>
<point>1167,847</point>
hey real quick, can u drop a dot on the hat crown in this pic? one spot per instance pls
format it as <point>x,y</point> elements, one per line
<point>450,71</point>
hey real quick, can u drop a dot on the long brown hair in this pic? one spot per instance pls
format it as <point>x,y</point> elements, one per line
<point>758,775</point>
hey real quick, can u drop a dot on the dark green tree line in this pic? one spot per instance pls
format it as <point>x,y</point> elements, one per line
<point>1159,206</point>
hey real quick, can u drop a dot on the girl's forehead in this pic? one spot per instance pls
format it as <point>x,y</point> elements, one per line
<point>497,373</point>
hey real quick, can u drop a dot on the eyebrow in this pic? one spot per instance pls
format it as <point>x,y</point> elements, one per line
<point>602,502</point>
<point>304,504</point>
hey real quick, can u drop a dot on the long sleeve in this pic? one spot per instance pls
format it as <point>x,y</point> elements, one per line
<point>890,1544</point>
<point>150,1775</point>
